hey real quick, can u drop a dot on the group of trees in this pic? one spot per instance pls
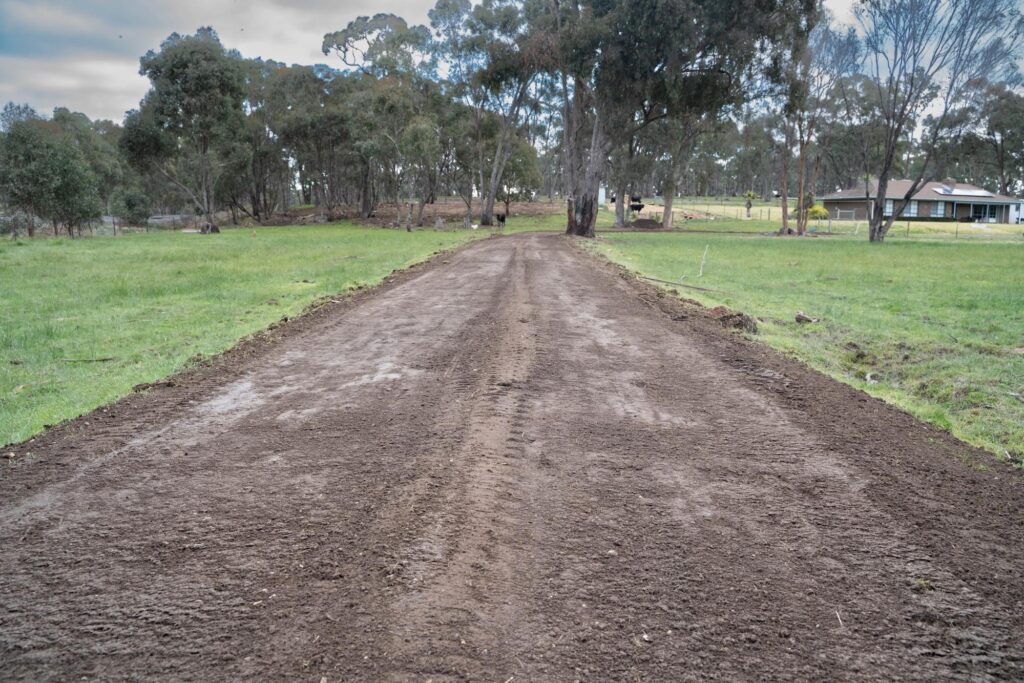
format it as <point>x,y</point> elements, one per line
<point>498,99</point>
<point>920,89</point>
<point>64,171</point>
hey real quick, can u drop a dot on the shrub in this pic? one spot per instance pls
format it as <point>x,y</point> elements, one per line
<point>817,213</point>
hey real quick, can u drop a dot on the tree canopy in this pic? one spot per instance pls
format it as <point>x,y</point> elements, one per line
<point>499,100</point>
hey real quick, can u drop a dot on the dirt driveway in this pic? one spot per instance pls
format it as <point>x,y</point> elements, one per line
<point>510,465</point>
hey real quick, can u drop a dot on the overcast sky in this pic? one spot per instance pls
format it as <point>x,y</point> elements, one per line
<point>84,54</point>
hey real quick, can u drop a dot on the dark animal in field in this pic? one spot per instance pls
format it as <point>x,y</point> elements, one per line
<point>500,217</point>
<point>637,207</point>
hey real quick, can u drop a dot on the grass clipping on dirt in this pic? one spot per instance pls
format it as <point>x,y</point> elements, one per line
<point>936,328</point>
<point>83,321</point>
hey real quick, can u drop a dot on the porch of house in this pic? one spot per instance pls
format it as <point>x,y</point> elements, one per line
<point>981,212</point>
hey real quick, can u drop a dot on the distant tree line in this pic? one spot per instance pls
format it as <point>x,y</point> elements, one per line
<point>498,100</point>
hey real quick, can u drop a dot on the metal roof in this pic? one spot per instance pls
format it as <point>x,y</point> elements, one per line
<point>933,191</point>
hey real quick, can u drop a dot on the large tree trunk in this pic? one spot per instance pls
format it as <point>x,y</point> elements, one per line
<point>366,192</point>
<point>878,225</point>
<point>669,195</point>
<point>620,206</point>
<point>206,189</point>
<point>571,145</point>
<point>801,202</point>
<point>419,211</point>
<point>582,214</point>
<point>784,183</point>
<point>508,122</point>
<point>583,203</point>
<point>468,199</point>
<point>1004,182</point>
<point>813,179</point>
<point>497,171</point>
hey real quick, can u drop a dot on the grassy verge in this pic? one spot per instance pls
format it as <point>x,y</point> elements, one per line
<point>151,302</point>
<point>935,327</point>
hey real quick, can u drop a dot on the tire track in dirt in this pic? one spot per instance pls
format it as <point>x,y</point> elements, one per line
<point>475,537</point>
<point>509,466</point>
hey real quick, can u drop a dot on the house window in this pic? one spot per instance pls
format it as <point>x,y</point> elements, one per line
<point>912,210</point>
<point>940,210</point>
<point>888,208</point>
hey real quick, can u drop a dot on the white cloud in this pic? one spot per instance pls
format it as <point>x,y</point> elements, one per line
<point>99,42</point>
<point>47,18</point>
<point>99,85</point>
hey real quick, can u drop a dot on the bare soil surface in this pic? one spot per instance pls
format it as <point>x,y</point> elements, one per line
<point>514,464</point>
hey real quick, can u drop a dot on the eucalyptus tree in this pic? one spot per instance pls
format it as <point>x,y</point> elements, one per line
<point>625,64</point>
<point>521,177</point>
<point>681,135</point>
<point>14,112</point>
<point>828,56</point>
<point>191,114</point>
<point>924,58</point>
<point>394,69</point>
<point>463,54</point>
<point>263,176</point>
<point>465,132</point>
<point>1000,132</point>
<point>753,163</point>
<point>631,164</point>
<point>423,157</point>
<point>97,142</point>
<point>45,174</point>
<point>318,121</point>
<point>382,45</point>
<point>854,139</point>
<point>496,59</point>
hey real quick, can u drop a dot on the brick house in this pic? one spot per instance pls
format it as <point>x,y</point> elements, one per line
<point>946,200</point>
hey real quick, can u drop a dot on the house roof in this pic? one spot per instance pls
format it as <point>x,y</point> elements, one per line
<point>931,192</point>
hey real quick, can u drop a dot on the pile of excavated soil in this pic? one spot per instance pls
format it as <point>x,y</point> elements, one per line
<point>647,224</point>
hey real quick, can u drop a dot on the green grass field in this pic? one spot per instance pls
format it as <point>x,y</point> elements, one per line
<point>151,302</point>
<point>933,326</point>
